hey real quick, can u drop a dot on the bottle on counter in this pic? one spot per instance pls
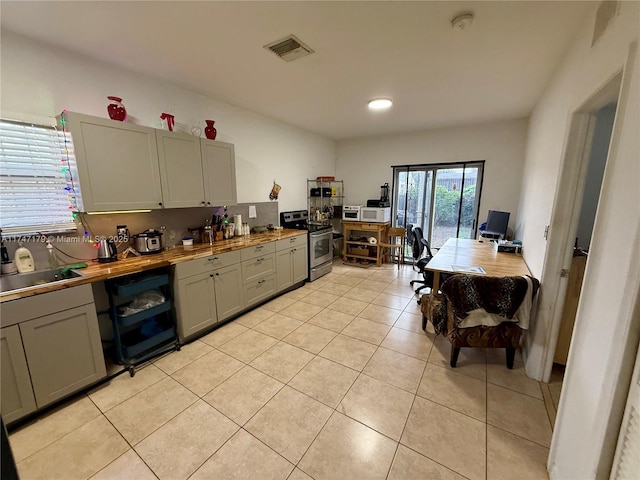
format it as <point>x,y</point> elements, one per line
<point>163,238</point>
<point>51,256</point>
<point>208,231</point>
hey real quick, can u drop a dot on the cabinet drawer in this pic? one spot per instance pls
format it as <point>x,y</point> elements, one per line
<point>206,264</point>
<point>291,242</point>
<point>257,268</point>
<point>257,251</point>
<point>260,290</point>
<point>22,309</point>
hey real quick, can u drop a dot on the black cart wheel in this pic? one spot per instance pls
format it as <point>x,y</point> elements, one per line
<point>178,347</point>
<point>132,370</point>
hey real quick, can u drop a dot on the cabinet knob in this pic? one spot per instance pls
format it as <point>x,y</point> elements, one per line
<point>208,203</point>
<point>261,282</point>
<point>211,275</point>
<point>212,259</point>
<point>217,274</point>
<point>160,204</point>
<point>203,202</point>
<point>294,250</point>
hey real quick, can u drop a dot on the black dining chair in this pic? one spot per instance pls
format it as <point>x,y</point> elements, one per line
<point>421,257</point>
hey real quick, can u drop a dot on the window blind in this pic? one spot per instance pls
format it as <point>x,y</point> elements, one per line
<point>38,179</point>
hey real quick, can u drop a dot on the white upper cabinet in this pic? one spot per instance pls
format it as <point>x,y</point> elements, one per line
<point>219,170</point>
<point>180,170</point>
<point>117,163</point>
<point>122,166</point>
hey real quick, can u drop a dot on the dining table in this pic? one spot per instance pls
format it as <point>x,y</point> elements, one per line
<point>474,257</point>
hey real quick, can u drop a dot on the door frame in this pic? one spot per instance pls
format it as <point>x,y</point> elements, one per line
<point>430,199</point>
<point>564,221</point>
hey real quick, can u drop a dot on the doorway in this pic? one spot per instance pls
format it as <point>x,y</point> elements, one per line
<point>441,199</point>
<point>596,160</point>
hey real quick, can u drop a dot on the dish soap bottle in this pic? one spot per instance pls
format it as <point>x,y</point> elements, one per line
<point>51,255</point>
<point>24,260</point>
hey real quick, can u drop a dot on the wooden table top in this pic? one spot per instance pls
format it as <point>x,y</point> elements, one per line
<point>473,253</point>
<point>96,272</point>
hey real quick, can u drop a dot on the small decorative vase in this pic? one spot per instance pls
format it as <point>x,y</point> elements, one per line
<point>169,119</point>
<point>116,109</point>
<point>210,131</point>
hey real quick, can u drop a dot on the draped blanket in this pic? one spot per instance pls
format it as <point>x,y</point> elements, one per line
<point>469,294</point>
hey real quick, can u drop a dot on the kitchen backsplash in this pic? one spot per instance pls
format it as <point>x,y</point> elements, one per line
<point>72,248</point>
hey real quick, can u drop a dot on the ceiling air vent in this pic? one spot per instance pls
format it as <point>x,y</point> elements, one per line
<point>289,48</point>
<point>605,14</point>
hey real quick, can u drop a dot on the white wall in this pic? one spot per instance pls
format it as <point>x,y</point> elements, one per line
<point>364,164</point>
<point>595,172</point>
<point>40,81</point>
<point>582,444</point>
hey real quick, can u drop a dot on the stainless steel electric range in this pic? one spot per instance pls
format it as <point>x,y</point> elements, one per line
<point>320,241</point>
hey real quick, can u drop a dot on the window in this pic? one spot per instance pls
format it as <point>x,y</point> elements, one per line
<point>38,180</point>
<point>442,199</point>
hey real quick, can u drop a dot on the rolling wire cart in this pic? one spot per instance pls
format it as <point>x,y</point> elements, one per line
<point>140,335</point>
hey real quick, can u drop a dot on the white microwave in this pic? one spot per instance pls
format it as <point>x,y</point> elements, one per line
<point>375,214</point>
<point>351,213</point>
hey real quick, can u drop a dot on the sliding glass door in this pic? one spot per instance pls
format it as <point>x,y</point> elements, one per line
<point>441,199</point>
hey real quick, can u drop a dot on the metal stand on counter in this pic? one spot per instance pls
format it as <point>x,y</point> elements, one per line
<point>140,311</point>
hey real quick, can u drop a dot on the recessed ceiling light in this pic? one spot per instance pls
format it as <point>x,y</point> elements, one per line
<point>380,104</point>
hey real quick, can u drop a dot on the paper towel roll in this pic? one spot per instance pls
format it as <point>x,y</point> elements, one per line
<point>373,240</point>
<point>237,219</point>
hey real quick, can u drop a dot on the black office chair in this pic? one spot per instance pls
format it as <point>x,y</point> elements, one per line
<point>420,247</point>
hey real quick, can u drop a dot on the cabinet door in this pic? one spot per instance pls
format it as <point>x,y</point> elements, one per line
<point>219,167</point>
<point>300,259</point>
<point>195,304</point>
<point>117,163</point>
<point>64,352</point>
<point>229,293</point>
<point>17,394</point>
<point>180,164</point>
<point>284,272</point>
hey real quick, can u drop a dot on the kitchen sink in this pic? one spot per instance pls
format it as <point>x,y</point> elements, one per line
<point>39,277</point>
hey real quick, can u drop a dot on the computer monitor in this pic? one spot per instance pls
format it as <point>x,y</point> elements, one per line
<point>497,223</point>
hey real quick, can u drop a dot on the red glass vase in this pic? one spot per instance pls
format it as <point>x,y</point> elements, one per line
<point>116,109</point>
<point>210,131</point>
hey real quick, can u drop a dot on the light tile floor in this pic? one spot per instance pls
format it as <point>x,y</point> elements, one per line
<point>335,380</point>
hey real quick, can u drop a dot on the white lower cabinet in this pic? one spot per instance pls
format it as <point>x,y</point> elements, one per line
<point>291,261</point>
<point>259,275</point>
<point>212,289</point>
<point>53,349</point>
<point>207,291</point>
<point>228,291</point>
<point>17,393</point>
<point>260,290</point>
<point>195,304</point>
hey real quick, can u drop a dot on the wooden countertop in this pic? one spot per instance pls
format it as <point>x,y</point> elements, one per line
<point>96,272</point>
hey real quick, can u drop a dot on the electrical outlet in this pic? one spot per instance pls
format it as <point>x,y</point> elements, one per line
<point>546,232</point>
<point>252,211</point>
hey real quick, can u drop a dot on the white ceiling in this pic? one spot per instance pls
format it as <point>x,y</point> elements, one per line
<point>494,70</point>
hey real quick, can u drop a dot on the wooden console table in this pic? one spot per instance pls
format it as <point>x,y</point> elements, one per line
<point>367,229</point>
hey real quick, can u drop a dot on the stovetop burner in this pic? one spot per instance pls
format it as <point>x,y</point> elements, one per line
<point>299,220</point>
